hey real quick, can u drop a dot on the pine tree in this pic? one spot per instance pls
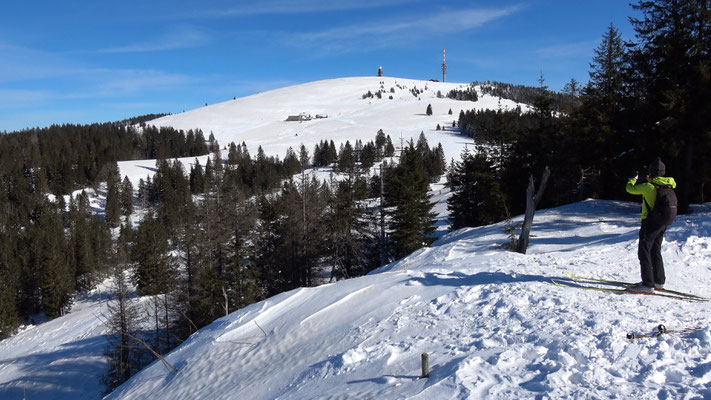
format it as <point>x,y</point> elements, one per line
<point>349,232</point>
<point>304,157</point>
<point>56,275</point>
<point>389,148</point>
<point>126,198</point>
<point>476,194</point>
<point>113,197</point>
<point>346,159</point>
<point>429,109</point>
<point>154,266</point>
<point>412,219</point>
<point>671,85</point>
<point>197,178</point>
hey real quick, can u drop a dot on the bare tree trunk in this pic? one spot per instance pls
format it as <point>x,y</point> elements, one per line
<point>531,204</point>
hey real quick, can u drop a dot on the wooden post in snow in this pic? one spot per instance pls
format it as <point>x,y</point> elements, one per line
<point>531,204</point>
<point>425,365</point>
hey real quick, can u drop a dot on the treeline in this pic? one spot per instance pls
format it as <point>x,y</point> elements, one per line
<point>140,120</point>
<point>645,98</point>
<point>469,94</point>
<point>63,158</point>
<point>560,101</point>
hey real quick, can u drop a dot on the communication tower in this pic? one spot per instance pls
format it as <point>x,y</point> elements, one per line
<point>444,64</point>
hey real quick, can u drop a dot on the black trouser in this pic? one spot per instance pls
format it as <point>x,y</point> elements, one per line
<point>650,253</point>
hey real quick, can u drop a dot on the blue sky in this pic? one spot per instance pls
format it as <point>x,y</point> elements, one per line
<point>96,61</point>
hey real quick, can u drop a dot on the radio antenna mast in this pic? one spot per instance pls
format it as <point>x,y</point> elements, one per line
<point>444,64</point>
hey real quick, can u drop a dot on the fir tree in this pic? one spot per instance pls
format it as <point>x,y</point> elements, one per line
<point>346,159</point>
<point>476,194</point>
<point>671,85</point>
<point>154,266</point>
<point>126,198</point>
<point>304,157</point>
<point>412,219</point>
<point>113,197</point>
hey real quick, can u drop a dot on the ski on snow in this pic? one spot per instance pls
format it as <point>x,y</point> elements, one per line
<point>661,330</point>
<point>675,293</point>
<point>622,291</point>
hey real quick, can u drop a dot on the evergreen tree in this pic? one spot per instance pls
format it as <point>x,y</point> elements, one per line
<point>232,155</point>
<point>368,156</point>
<point>113,197</point>
<point>349,231</point>
<point>304,157</point>
<point>291,164</point>
<point>56,276</point>
<point>670,87</point>
<point>389,148</point>
<point>412,219</point>
<point>476,194</point>
<point>126,198</point>
<point>429,109</point>
<point>197,178</point>
<point>380,142</point>
<point>150,251</point>
<point>346,159</point>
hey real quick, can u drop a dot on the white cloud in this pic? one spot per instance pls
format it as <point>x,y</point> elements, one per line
<point>177,39</point>
<point>270,7</point>
<point>385,33</point>
<point>20,64</point>
<point>16,98</point>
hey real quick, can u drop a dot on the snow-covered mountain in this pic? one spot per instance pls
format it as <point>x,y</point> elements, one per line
<point>344,115</point>
<point>492,321</point>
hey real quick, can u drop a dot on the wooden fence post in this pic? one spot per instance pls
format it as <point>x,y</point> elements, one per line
<point>425,365</point>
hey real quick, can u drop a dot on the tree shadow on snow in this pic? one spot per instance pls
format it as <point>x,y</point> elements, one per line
<point>72,370</point>
<point>482,278</point>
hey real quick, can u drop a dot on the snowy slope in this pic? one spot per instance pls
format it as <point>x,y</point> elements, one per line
<point>59,359</point>
<point>491,321</point>
<point>260,119</point>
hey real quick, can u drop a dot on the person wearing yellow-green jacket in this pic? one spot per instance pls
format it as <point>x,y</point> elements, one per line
<point>651,234</point>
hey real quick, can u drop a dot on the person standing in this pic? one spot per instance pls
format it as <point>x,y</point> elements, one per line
<point>651,233</point>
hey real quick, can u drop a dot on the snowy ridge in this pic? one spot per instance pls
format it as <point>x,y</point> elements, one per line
<point>492,322</point>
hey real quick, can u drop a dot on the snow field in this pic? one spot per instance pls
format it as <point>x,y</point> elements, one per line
<point>491,321</point>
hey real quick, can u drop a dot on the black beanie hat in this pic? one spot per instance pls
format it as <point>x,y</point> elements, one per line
<point>657,168</point>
